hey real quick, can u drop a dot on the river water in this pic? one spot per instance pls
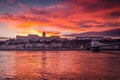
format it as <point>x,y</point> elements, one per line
<point>59,65</point>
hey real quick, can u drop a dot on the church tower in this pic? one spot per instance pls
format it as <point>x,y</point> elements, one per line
<point>43,34</point>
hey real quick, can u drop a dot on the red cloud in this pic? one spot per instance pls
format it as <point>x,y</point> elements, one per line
<point>10,1</point>
<point>72,16</point>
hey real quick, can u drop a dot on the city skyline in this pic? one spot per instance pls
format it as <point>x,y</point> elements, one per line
<point>57,17</point>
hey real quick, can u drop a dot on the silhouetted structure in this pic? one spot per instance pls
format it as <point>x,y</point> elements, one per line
<point>33,41</point>
<point>43,34</point>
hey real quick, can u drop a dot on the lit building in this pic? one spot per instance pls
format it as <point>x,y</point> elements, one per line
<point>55,37</point>
<point>89,38</point>
<point>22,38</point>
<point>33,37</point>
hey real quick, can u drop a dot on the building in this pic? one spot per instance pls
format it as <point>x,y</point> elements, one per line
<point>33,37</point>
<point>55,37</point>
<point>89,38</point>
<point>43,34</point>
<point>21,38</point>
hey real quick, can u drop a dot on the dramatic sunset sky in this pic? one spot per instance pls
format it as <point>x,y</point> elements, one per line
<point>57,17</point>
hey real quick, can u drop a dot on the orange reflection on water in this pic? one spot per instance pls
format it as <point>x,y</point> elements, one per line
<point>58,65</point>
<point>46,64</point>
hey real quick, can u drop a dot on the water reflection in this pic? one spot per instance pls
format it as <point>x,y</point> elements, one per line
<point>7,64</point>
<point>59,65</point>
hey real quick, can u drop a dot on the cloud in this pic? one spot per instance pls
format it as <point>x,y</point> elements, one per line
<point>114,14</point>
<point>96,5</point>
<point>10,1</point>
<point>74,16</point>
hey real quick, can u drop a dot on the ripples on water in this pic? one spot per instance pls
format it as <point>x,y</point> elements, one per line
<point>59,65</point>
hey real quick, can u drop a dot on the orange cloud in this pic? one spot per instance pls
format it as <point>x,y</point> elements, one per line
<point>73,16</point>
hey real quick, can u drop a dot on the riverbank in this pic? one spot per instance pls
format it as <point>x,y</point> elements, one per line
<point>37,49</point>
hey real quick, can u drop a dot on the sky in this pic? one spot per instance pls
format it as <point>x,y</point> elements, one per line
<point>57,17</point>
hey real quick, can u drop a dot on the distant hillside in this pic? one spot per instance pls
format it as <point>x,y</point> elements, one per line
<point>111,33</point>
<point>4,38</point>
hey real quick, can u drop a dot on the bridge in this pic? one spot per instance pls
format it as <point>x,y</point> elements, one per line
<point>96,45</point>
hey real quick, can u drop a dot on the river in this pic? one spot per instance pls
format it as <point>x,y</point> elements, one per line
<point>59,65</point>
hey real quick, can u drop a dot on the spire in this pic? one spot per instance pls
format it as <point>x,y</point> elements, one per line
<point>43,34</point>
